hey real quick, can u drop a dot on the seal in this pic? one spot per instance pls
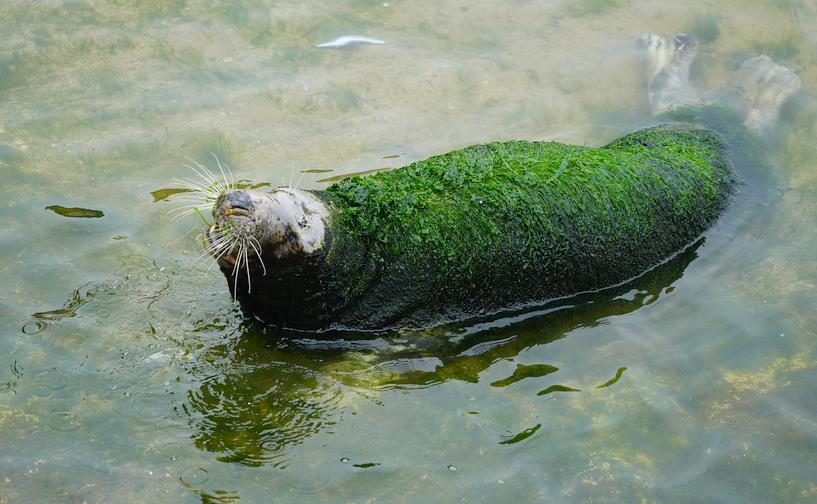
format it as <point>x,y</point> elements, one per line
<point>497,226</point>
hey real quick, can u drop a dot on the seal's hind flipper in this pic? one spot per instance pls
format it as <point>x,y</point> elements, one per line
<point>668,66</point>
<point>657,52</point>
<point>765,85</point>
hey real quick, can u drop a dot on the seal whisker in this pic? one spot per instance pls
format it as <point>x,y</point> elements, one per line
<point>202,171</point>
<point>247,267</point>
<point>220,242</point>
<point>221,250</point>
<point>235,264</point>
<point>237,260</point>
<point>199,261</point>
<point>200,195</point>
<point>221,254</point>
<point>227,185</point>
<point>218,254</point>
<point>299,180</point>
<point>179,217</point>
<point>197,192</point>
<point>194,202</point>
<point>192,181</point>
<point>180,213</point>
<point>197,186</point>
<point>223,182</point>
<point>230,173</point>
<point>236,267</point>
<point>210,194</point>
<point>217,248</point>
<point>176,212</point>
<point>222,236</point>
<point>189,207</point>
<point>257,252</point>
<point>197,198</point>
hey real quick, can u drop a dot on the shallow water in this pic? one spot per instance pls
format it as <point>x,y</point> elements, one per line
<point>128,375</point>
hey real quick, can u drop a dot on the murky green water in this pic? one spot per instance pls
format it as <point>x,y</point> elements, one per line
<point>128,375</point>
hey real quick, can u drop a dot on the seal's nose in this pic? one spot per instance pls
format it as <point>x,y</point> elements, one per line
<point>239,200</point>
<point>236,204</point>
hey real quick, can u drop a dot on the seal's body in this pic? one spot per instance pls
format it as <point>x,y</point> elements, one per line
<point>478,230</point>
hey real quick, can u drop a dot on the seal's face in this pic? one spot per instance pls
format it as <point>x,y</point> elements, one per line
<point>252,227</point>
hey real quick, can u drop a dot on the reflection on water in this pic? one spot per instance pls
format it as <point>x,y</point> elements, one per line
<point>277,390</point>
<point>259,409</point>
<point>129,375</point>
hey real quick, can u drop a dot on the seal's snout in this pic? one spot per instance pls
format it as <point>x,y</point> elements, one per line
<point>237,203</point>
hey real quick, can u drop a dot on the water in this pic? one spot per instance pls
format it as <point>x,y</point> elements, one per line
<point>128,375</point>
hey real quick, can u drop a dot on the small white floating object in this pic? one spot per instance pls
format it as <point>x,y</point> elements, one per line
<point>348,41</point>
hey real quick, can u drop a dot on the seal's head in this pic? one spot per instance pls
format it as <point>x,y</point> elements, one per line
<point>253,227</point>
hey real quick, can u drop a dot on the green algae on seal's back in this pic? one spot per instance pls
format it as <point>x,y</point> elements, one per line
<point>489,226</point>
<point>468,206</point>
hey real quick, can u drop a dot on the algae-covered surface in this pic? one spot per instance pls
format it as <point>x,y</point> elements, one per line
<point>128,375</point>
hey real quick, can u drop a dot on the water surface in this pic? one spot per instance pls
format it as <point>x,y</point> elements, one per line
<point>128,374</point>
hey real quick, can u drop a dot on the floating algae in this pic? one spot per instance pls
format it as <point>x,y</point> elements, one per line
<point>76,212</point>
